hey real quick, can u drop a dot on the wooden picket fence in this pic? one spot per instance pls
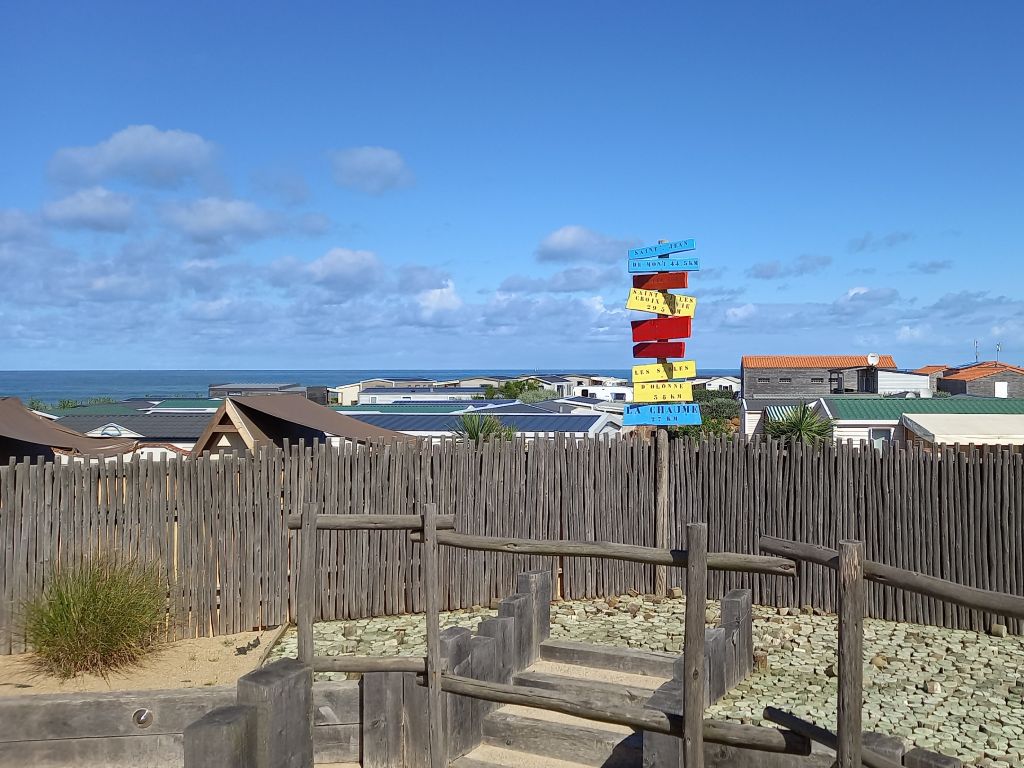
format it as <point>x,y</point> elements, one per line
<point>218,526</point>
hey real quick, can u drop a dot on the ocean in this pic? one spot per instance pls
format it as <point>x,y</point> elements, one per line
<point>51,386</point>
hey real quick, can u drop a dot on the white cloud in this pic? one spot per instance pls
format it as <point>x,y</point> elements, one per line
<point>17,226</point>
<point>911,332</point>
<point>142,154</point>
<point>212,219</point>
<point>740,313</point>
<point>576,243</point>
<point>341,266</point>
<point>93,208</point>
<point>444,299</point>
<point>373,170</point>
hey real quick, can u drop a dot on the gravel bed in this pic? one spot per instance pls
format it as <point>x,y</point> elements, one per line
<point>952,691</point>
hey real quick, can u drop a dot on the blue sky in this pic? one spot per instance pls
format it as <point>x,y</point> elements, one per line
<point>430,185</point>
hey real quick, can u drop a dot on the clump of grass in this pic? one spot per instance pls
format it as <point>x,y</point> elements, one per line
<point>101,615</point>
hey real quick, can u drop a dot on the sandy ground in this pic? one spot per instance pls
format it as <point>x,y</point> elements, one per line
<point>181,664</point>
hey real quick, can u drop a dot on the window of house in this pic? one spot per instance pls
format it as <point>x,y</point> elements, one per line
<point>817,380</point>
<point>1002,389</point>
<point>785,380</point>
<point>879,437</point>
<point>763,380</point>
<point>618,395</point>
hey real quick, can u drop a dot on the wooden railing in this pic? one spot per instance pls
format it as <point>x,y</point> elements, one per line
<point>853,571</point>
<point>433,531</point>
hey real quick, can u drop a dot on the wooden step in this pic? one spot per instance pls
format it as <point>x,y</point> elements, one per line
<point>563,738</point>
<point>495,757</point>
<point>632,660</point>
<point>630,694</point>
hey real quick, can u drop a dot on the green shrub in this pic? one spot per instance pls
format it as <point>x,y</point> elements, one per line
<point>99,616</point>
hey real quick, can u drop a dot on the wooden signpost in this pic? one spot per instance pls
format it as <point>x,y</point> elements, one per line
<point>663,392</point>
<point>661,302</point>
<point>659,398</point>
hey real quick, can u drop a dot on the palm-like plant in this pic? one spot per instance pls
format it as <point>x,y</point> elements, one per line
<point>802,424</point>
<point>477,427</point>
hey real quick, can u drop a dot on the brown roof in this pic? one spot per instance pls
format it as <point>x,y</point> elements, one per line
<point>930,369</point>
<point>814,361</point>
<point>266,419</point>
<point>20,425</point>
<point>981,370</point>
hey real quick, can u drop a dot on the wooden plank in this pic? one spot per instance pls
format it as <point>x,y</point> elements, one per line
<point>851,653</point>
<point>306,593</point>
<point>382,720</point>
<point>662,392</point>
<point>693,646</point>
<point>664,264</point>
<point>676,558</point>
<point>662,249</point>
<point>431,586</point>
<point>661,508</point>
<point>369,664</point>
<point>662,329</point>
<point>661,303</point>
<point>661,371</point>
<point>659,349</point>
<point>662,281</point>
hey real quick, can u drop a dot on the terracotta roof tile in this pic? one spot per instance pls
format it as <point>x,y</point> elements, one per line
<point>981,370</point>
<point>813,361</point>
<point>930,369</point>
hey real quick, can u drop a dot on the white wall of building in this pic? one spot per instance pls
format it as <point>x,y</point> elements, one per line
<point>890,382</point>
<point>618,393</point>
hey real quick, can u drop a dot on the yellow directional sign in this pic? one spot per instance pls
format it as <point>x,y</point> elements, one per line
<point>663,392</point>
<point>661,303</point>
<point>683,369</point>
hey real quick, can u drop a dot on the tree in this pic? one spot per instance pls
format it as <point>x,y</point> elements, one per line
<point>477,427</point>
<point>709,427</point>
<point>717,404</point>
<point>515,390</point>
<point>35,404</point>
<point>802,424</point>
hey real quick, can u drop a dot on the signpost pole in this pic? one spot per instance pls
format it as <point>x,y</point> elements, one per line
<point>661,499</point>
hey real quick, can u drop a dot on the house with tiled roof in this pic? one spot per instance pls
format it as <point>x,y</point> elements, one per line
<point>814,376</point>
<point>988,379</point>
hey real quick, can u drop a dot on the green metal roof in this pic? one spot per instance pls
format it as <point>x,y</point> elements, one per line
<point>403,408</point>
<point>186,402</point>
<point>892,408</point>
<point>97,409</point>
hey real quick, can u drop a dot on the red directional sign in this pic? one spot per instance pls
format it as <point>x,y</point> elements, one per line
<point>660,349</point>
<point>662,281</point>
<point>660,328</point>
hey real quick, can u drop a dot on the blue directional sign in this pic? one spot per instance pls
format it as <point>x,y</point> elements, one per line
<point>667,414</point>
<point>664,264</point>
<point>662,249</point>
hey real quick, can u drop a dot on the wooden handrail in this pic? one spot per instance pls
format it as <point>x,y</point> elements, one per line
<point>607,708</point>
<point>998,603</point>
<point>371,522</point>
<point>717,561</point>
<point>823,736</point>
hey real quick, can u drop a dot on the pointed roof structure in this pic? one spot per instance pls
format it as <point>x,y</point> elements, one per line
<point>248,422</point>
<point>23,433</point>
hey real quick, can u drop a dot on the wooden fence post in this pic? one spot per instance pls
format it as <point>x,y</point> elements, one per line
<point>661,507</point>
<point>306,590</point>
<point>851,653</point>
<point>431,587</point>
<point>693,645</point>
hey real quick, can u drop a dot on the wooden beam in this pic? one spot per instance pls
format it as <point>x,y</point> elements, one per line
<point>822,736</point>
<point>369,664</point>
<point>431,597</point>
<point>851,653</point>
<point>692,753</point>
<point>372,522</point>
<point>607,708</point>
<point>998,603</point>
<point>675,558</point>
<point>661,506</point>
<point>306,589</point>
